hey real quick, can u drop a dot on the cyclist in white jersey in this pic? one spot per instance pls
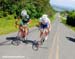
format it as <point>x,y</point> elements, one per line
<point>45,24</point>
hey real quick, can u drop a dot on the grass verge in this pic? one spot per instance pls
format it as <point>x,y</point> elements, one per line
<point>7,24</point>
<point>52,18</point>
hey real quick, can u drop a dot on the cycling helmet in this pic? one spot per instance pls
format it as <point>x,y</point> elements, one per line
<point>44,17</point>
<point>23,13</point>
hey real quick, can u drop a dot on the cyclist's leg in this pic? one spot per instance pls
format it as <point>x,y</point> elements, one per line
<point>46,32</point>
<point>41,31</point>
<point>20,30</point>
<point>26,30</point>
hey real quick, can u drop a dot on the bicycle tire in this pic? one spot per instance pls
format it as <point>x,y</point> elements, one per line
<point>35,46</point>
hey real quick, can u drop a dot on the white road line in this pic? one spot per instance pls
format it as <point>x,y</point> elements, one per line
<point>57,48</point>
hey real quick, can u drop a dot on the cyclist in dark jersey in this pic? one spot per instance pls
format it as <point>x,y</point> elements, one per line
<point>24,21</point>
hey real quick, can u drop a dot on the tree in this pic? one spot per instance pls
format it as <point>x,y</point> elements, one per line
<point>35,8</point>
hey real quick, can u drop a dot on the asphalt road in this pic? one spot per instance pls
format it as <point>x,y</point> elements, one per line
<point>60,44</point>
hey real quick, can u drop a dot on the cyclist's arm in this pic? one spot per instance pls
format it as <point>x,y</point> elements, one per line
<point>49,25</point>
<point>29,21</point>
<point>16,22</point>
<point>38,24</point>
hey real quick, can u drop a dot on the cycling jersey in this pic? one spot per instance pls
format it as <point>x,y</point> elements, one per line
<point>46,24</point>
<point>25,20</point>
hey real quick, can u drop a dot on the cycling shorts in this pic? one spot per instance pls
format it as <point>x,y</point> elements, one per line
<point>43,26</point>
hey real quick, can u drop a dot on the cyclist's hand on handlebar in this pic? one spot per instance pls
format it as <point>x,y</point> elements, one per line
<point>37,25</point>
<point>16,25</point>
<point>16,22</point>
<point>30,21</point>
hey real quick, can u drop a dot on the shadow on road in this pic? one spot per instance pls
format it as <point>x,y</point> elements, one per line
<point>11,38</point>
<point>71,39</point>
<point>7,41</point>
<point>4,43</point>
<point>26,41</point>
<point>29,42</point>
<point>33,43</point>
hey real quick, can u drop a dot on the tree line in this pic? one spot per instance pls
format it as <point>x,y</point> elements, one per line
<point>35,8</point>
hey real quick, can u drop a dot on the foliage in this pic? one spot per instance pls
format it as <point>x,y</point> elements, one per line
<point>71,18</point>
<point>35,8</point>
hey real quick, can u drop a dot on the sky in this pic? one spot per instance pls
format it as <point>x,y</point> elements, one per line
<point>63,3</point>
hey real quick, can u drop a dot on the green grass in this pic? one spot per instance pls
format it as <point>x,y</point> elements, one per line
<point>7,24</point>
<point>64,22</point>
<point>33,23</point>
<point>52,18</point>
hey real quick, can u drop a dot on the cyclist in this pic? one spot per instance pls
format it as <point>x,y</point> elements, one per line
<point>24,21</point>
<point>45,24</point>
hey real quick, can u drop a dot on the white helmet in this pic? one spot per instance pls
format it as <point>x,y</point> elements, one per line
<point>23,13</point>
<point>44,17</point>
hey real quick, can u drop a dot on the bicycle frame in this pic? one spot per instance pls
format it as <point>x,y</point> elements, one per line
<point>38,43</point>
<point>21,36</point>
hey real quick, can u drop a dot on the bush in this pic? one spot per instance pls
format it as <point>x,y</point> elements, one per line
<point>34,8</point>
<point>4,14</point>
<point>71,18</point>
<point>1,14</point>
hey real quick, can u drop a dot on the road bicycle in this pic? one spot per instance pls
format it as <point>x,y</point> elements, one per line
<point>37,44</point>
<point>21,35</point>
